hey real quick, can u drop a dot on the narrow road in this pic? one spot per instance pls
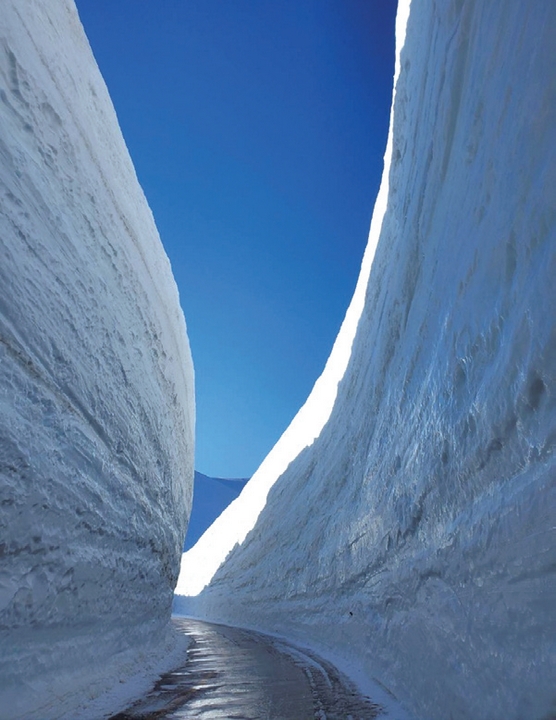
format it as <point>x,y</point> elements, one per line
<point>234,674</point>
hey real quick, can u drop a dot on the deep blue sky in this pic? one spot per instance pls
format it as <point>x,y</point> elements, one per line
<point>257,129</point>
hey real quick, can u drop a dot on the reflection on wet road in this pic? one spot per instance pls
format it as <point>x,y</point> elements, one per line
<point>234,674</point>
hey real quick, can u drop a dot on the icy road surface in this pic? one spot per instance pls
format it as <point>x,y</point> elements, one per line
<point>235,673</point>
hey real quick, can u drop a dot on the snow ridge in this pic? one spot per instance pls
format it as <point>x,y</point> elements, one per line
<point>96,383</point>
<point>415,538</point>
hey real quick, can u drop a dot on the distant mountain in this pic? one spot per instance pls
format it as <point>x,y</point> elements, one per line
<point>211,496</point>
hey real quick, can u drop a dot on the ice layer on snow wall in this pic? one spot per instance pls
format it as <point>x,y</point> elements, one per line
<point>415,538</point>
<point>96,381</point>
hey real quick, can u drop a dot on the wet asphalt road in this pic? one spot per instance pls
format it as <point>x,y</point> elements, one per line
<point>234,674</point>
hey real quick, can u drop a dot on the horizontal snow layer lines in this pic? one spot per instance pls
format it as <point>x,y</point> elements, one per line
<point>96,383</point>
<point>415,536</point>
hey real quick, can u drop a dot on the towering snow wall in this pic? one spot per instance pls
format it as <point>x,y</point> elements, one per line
<point>415,537</point>
<point>96,382</point>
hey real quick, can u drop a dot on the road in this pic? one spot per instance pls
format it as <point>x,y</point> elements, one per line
<point>234,674</point>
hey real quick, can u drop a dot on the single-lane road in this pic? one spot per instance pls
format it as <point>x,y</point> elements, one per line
<point>236,674</point>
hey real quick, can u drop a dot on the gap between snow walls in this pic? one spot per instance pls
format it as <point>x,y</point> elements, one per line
<point>406,529</point>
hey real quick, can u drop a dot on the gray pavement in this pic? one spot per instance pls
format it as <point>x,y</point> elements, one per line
<point>235,674</point>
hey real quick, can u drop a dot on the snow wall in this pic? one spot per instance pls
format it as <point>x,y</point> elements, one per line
<point>96,383</point>
<point>415,537</point>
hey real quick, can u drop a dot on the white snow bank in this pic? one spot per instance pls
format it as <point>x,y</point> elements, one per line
<point>137,669</point>
<point>96,382</point>
<point>415,537</point>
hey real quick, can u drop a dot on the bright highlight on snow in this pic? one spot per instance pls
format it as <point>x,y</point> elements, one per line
<point>199,564</point>
<point>404,524</point>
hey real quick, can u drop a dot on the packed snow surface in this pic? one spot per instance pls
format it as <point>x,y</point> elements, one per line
<point>96,384</point>
<point>415,536</point>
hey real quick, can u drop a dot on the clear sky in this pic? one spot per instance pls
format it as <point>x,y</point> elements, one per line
<point>257,129</point>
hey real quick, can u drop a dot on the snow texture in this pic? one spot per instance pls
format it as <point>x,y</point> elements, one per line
<point>96,383</point>
<point>415,537</point>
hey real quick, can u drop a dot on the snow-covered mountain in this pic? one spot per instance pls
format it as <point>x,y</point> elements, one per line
<point>211,496</point>
<point>96,384</point>
<point>413,535</point>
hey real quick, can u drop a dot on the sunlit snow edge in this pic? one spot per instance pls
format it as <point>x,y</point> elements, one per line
<point>200,563</point>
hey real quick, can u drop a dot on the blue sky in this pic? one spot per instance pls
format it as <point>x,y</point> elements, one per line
<point>257,129</point>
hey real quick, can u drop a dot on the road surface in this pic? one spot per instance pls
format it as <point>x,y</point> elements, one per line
<point>234,674</point>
